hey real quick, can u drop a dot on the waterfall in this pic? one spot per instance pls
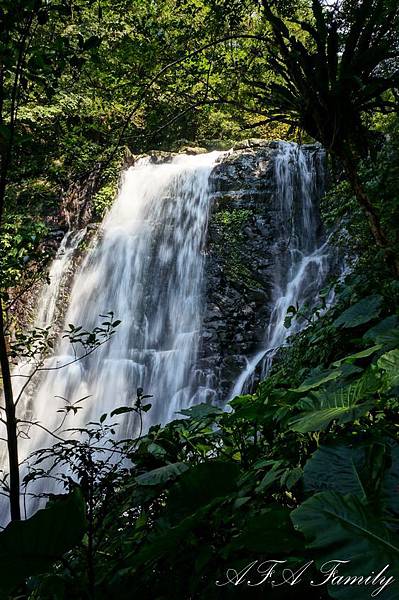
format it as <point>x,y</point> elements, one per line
<point>303,257</point>
<point>146,266</point>
<point>47,312</point>
<point>47,304</point>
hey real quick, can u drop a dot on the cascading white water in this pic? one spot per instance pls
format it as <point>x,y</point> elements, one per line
<point>47,312</point>
<point>303,265</point>
<point>147,268</point>
<point>47,304</point>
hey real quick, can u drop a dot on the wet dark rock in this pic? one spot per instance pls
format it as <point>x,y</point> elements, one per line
<point>242,255</point>
<point>57,234</point>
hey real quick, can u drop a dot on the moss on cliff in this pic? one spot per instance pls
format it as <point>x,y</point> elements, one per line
<point>229,244</point>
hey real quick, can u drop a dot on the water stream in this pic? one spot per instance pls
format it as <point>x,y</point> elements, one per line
<point>304,263</point>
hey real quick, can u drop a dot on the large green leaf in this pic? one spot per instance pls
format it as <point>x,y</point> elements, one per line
<point>249,408</point>
<point>354,357</point>
<point>192,497</point>
<point>390,485</point>
<point>386,332</point>
<point>336,468</point>
<point>362,312</point>
<point>30,547</point>
<point>317,379</point>
<point>343,405</point>
<point>271,476</point>
<point>342,528</point>
<point>369,471</point>
<point>319,419</point>
<point>165,541</point>
<point>389,363</point>
<point>162,475</point>
<point>200,410</point>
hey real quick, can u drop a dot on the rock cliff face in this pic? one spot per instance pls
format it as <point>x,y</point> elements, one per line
<point>247,243</point>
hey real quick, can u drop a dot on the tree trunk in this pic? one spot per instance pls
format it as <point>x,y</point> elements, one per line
<point>373,218</point>
<point>11,424</point>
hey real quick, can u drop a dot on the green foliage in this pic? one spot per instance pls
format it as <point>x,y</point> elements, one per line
<point>336,468</point>
<point>162,474</point>
<point>233,220</point>
<point>368,471</point>
<point>315,445</point>
<point>334,524</point>
<point>329,70</point>
<point>230,244</point>
<point>342,405</point>
<point>362,312</point>
<point>30,547</point>
<point>103,199</point>
<point>21,250</point>
<point>379,175</point>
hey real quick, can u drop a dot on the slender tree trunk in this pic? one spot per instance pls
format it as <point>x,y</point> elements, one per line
<point>11,424</point>
<point>369,210</point>
<point>9,406</point>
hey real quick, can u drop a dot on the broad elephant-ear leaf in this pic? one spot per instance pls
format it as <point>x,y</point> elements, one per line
<point>200,410</point>
<point>166,541</point>
<point>347,403</point>
<point>341,528</point>
<point>390,485</point>
<point>269,532</point>
<point>362,312</point>
<point>30,547</point>
<point>369,471</point>
<point>199,486</point>
<point>317,379</point>
<point>386,332</point>
<point>161,475</point>
<point>318,420</point>
<point>337,468</point>
<point>354,357</point>
<point>389,364</point>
